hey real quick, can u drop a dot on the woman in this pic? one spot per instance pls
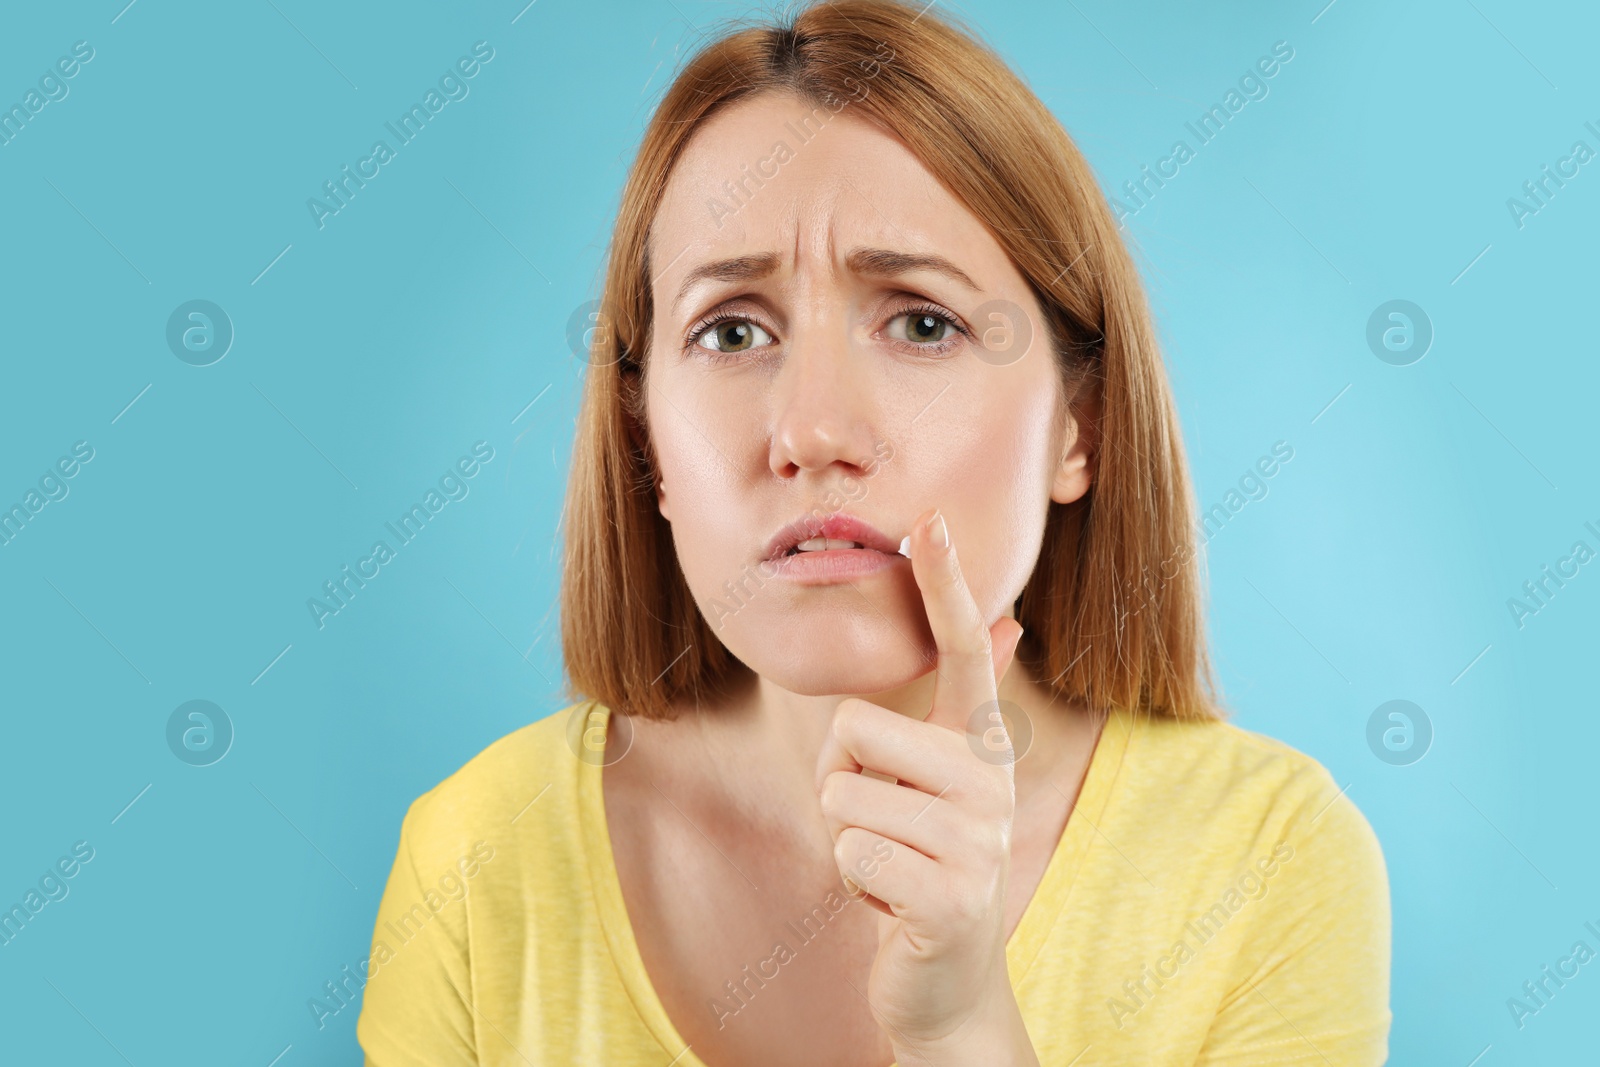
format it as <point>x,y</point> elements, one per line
<point>893,737</point>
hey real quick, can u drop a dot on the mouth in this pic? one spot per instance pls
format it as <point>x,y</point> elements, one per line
<point>829,535</point>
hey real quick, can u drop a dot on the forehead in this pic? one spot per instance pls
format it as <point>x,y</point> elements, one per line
<point>776,174</point>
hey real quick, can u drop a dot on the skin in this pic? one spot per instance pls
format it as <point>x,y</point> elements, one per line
<point>768,813</point>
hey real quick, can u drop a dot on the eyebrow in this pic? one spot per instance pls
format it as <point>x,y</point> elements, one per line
<point>873,262</point>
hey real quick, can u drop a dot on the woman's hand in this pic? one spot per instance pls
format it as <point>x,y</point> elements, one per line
<point>932,850</point>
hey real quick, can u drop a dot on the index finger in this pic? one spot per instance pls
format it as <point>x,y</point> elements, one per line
<point>967,663</point>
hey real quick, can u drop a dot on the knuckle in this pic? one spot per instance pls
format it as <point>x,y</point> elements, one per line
<point>977,781</point>
<point>970,649</point>
<point>996,841</point>
<point>998,789</point>
<point>949,577</point>
<point>830,793</point>
<point>966,901</point>
<point>847,715</point>
<point>844,846</point>
<point>987,840</point>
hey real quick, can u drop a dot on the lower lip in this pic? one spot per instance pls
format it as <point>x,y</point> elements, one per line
<point>832,565</point>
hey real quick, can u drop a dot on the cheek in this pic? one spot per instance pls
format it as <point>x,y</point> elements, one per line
<point>993,475</point>
<point>706,493</point>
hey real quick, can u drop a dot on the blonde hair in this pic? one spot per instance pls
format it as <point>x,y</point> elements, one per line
<point>1112,612</point>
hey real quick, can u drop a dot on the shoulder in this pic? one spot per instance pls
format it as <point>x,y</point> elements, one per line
<point>1223,788</point>
<point>1268,864</point>
<point>1217,762</point>
<point>522,778</point>
<point>477,852</point>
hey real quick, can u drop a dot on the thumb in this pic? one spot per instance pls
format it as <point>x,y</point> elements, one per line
<point>1003,638</point>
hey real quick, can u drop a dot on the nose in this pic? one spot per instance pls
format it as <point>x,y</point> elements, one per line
<point>824,403</point>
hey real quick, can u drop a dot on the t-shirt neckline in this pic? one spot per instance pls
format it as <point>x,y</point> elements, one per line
<point>1022,948</point>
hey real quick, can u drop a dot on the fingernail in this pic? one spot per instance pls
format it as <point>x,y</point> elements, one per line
<point>905,546</point>
<point>937,532</point>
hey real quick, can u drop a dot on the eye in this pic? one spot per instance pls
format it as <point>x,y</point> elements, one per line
<point>731,335</point>
<point>924,326</point>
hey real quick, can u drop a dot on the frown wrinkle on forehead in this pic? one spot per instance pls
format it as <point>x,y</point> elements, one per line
<point>853,185</point>
<point>863,261</point>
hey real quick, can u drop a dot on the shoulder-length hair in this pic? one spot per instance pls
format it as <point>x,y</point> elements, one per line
<point>1112,612</point>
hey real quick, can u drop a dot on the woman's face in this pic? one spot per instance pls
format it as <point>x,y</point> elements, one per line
<point>839,385</point>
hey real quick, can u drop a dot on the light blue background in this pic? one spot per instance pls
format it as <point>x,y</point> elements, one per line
<point>430,312</point>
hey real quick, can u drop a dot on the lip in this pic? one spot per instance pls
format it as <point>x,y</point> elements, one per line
<point>834,564</point>
<point>836,526</point>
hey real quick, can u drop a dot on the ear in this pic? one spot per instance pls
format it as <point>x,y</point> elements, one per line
<point>1080,440</point>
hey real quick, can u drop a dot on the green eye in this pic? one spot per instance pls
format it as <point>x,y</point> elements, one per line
<point>733,335</point>
<point>921,327</point>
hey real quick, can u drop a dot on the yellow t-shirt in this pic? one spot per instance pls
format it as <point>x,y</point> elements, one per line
<point>1214,900</point>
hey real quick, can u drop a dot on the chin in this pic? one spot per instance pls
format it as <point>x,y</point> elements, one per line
<point>822,653</point>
